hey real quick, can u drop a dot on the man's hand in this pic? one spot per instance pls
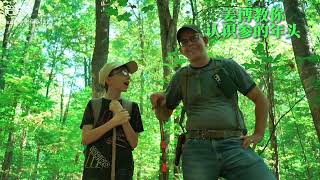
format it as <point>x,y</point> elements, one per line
<point>115,106</point>
<point>157,100</point>
<point>120,118</point>
<point>254,139</point>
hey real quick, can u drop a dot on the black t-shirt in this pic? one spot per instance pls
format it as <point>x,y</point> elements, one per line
<point>98,155</point>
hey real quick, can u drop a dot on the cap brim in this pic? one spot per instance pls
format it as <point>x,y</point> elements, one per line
<point>183,28</point>
<point>132,66</point>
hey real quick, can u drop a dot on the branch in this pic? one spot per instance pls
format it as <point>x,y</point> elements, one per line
<point>275,126</point>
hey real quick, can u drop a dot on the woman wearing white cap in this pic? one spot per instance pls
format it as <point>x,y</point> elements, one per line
<point>109,156</point>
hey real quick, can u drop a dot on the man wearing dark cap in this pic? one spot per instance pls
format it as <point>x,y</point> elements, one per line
<point>217,144</point>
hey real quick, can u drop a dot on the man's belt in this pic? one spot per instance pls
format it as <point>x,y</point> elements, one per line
<point>212,134</point>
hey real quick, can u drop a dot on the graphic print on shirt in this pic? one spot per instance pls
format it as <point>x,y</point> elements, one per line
<point>96,159</point>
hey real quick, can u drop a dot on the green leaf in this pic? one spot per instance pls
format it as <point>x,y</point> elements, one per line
<point>267,59</point>
<point>47,8</point>
<point>277,58</point>
<point>124,17</point>
<point>118,44</point>
<point>112,11</point>
<point>259,50</point>
<point>147,8</point>
<point>123,3</point>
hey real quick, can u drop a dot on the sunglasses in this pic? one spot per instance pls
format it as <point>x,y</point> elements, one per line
<point>121,73</point>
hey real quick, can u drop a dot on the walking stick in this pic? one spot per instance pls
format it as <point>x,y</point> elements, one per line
<point>113,165</point>
<point>163,145</point>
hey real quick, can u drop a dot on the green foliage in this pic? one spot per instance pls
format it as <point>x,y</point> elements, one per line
<point>112,11</point>
<point>145,9</point>
<point>116,7</point>
<point>122,2</point>
<point>124,17</point>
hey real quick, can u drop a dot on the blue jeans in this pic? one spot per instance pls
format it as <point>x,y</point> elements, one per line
<point>211,159</point>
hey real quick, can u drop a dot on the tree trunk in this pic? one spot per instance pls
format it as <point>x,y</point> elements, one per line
<point>142,79</point>
<point>101,48</point>
<point>34,17</point>
<point>8,156</point>
<point>50,78</point>
<point>23,144</point>
<point>142,60</point>
<point>308,68</point>
<point>87,69</point>
<point>76,158</point>
<point>168,29</point>
<point>54,56</point>
<point>302,144</point>
<point>36,166</point>
<point>61,101</point>
<point>89,77</point>
<point>285,169</point>
<point>303,154</point>
<point>194,11</point>
<point>85,74</point>
<point>7,160</point>
<point>272,118</point>
<point>316,152</point>
<point>9,9</point>
<point>32,27</point>
<point>65,115</point>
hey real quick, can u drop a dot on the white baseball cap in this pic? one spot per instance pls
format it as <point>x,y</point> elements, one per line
<point>108,67</point>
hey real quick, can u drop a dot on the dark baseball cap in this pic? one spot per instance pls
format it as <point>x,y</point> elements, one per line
<point>188,27</point>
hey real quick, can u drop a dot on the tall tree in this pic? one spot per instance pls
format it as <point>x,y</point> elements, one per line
<point>308,64</point>
<point>32,27</point>
<point>194,11</point>
<point>86,70</point>
<point>272,114</point>
<point>9,10</point>
<point>168,29</point>
<point>23,144</point>
<point>11,141</point>
<point>36,165</point>
<point>8,157</point>
<point>34,17</point>
<point>101,48</point>
<point>66,109</point>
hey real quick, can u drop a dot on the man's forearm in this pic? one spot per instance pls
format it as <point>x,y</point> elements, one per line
<point>261,112</point>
